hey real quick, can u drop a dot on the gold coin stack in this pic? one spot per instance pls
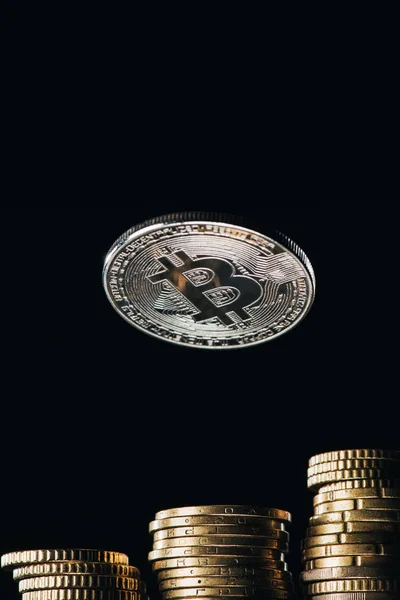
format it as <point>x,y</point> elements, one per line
<point>224,551</point>
<point>352,547</point>
<point>75,574</point>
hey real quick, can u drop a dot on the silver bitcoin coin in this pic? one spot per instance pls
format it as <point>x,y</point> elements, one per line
<point>199,281</point>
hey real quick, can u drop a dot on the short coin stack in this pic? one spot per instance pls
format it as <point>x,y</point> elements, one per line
<point>224,551</point>
<point>352,547</point>
<point>75,574</point>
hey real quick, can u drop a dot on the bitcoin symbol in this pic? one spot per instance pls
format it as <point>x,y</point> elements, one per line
<point>211,286</point>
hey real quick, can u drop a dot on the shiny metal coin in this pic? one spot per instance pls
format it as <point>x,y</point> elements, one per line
<point>76,568</point>
<point>81,594</point>
<point>353,454</point>
<point>241,592</point>
<point>357,596</point>
<point>349,572</point>
<point>205,551</point>
<point>226,510</point>
<point>221,541</point>
<point>193,582</point>
<point>239,572</point>
<point>79,581</point>
<point>28,557</point>
<point>224,562</point>
<point>375,493</point>
<point>353,585</point>
<point>221,530</point>
<point>253,521</point>
<point>196,280</point>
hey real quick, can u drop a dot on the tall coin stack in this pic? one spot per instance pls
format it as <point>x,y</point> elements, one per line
<point>224,551</point>
<point>75,574</point>
<point>352,547</point>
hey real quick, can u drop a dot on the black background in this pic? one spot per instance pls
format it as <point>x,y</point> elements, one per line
<point>116,119</point>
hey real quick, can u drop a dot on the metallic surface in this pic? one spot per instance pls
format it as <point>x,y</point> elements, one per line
<point>247,562</point>
<point>221,541</point>
<point>80,594</point>
<point>79,581</point>
<point>236,551</point>
<point>231,582</point>
<point>371,493</point>
<point>223,509</point>
<point>208,520</point>
<point>72,568</point>
<point>353,585</point>
<point>241,592</point>
<point>209,284</point>
<point>221,530</point>
<point>240,572</point>
<point>27,557</point>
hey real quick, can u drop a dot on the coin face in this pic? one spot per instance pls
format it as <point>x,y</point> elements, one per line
<point>208,284</point>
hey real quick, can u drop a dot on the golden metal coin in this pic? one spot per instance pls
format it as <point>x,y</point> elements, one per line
<point>220,530</point>
<point>392,466</point>
<point>353,454</point>
<point>351,550</point>
<point>192,582</point>
<point>371,537</point>
<point>28,557</point>
<point>315,482</point>
<point>205,520</point>
<point>357,484</point>
<point>76,568</point>
<point>81,594</point>
<point>242,592</point>
<point>355,515</point>
<point>382,560</point>
<point>354,572</point>
<point>247,562</point>
<point>354,527</point>
<point>79,581</point>
<point>222,540</point>
<point>223,509</point>
<point>186,551</point>
<point>239,572</point>
<point>352,494</point>
<point>358,504</point>
<point>358,596</point>
<point>352,585</point>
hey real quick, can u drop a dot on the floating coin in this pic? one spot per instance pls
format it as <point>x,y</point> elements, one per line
<point>222,509</point>
<point>357,561</point>
<point>186,551</point>
<point>355,515</point>
<point>351,454</point>
<point>195,279</point>
<point>220,540</point>
<point>191,582</point>
<point>389,466</point>
<point>354,527</point>
<point>79,581</point>
<point>208,520</point>
<point>27,557</point>
<point>239,572</point>
<point>221,530</point>
<point>350,550</point>
<point>377,537</point>
<point>243,592</point>
<point>64,568</point>
<point>372,493</point>
<point>220,561</point>
<point>353,585</point>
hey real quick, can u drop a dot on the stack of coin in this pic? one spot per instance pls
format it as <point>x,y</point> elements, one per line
<point>224,551</point>
<point>352,547</point>
<point>75,574</point>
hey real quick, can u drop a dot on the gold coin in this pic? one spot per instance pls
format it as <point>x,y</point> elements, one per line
<point>78,581</point>
<point>239,572</point>
<point>357,484</point>
<point>371,537</point>
<point>355,463</point>
<point>222,509</point>
<point>75,568</point>
<point>350,550</point>
<point>219,540</point>
<point>205,520</point>
<point>353,572</point>
<point>355,515</point>
<point>221,530</point>
<point>353,561</point>
<point>353,454</point>
<point>315,482</point>
<point>192,582</point>
<point>352,494</point>
<point>358,596</point>
<point>352,585</point>
<point>354,527</point>
<point>186,551</point>
<point>242,592</point>
<point>80,594</point>
<point>247,562</point>
<point>27,557</point>
<point>358,504</point>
